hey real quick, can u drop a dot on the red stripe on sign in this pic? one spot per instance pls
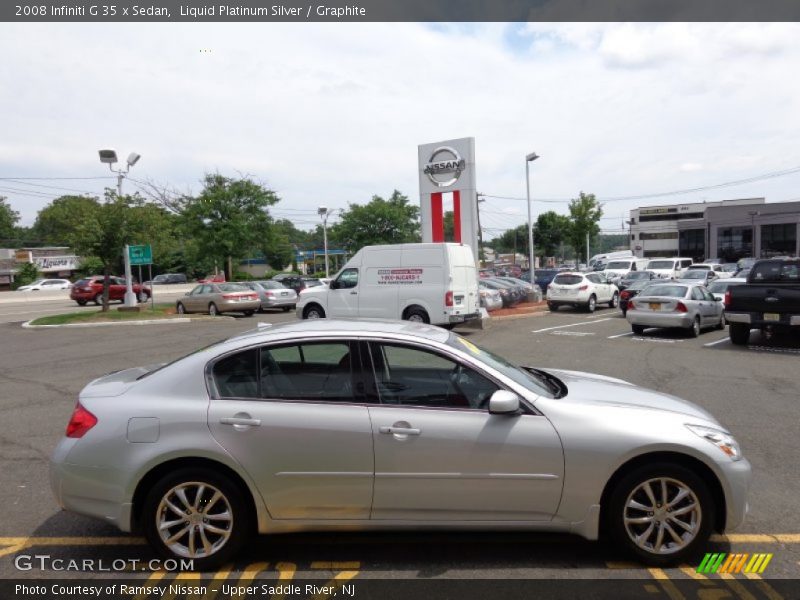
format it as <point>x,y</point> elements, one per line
<point>437,218</point>
<point>457,216</point>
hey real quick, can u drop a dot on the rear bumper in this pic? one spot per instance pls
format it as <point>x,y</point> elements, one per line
<point>758,320</point>
<point>654,319</point>
<point>238,306</point>
<point>464,318</point>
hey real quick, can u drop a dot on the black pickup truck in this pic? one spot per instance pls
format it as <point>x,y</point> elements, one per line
<point>769,301</point>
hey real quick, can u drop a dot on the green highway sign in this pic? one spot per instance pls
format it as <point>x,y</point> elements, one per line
<point>140,255</point>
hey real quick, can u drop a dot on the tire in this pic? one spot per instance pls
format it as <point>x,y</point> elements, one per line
<point>416,315</point>
<point>143,297</point>
<point>98,299</point>
<point>665,481</point>
<point>180,308</point>
<point>81,302</point>
<point>313,311</point>
<point>694,330</point>
<point>592,304</point>
<point>722,321</point>
<point>286,308</point>
<point>230,532</point>
<point>249,313</point>
<point>614,301</point>
<point>551,306</point>
<point>213,311</point>
<point>637,329</point>
<point>739,333</point>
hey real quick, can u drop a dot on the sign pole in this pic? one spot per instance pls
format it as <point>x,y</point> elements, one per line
<point>152,294</point>
<point>130,297</point>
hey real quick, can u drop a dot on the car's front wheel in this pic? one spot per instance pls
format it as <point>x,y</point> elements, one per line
<point>180,308</point>
<point>614,300</point>
<point>81,302</point>
<point>98,299</point>
<point>592,304</point>
<point>661,513</point>
<point>213,310</point>
<point>196,514</point>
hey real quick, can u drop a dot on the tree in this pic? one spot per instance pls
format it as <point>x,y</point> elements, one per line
<point>116,222</point>
<point>512,240</point>
<point>585,213</point>
<point>550,230</point>
<point>229,218</point>
<point>8,219</point>
<point>26,273</point>
<point>57,222</point>
<point>381,221</point>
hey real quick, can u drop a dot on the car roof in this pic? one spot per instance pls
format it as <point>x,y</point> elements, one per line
<point>347,327</point>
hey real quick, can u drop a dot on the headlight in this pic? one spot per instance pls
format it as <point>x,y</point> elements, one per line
<point>721,439</point>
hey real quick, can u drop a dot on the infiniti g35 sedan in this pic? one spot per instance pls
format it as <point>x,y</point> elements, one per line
<point>357,425</point>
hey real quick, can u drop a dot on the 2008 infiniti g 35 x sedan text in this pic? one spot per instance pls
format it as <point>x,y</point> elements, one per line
<point>391,425</point>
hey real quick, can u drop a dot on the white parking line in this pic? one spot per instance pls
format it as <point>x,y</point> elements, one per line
<point>613,337</point>
<point>575,333</point>
<point>725,339</point>
<point>571,325</point>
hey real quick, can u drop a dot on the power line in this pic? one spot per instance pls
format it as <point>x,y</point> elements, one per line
<point>55,178</point>
<point>53,187</point>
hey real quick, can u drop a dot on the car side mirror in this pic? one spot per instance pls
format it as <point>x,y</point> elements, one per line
<point>504,402</point>
<point>335,284</point>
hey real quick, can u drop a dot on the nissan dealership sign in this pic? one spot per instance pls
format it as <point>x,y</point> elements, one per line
<point>447,184</point>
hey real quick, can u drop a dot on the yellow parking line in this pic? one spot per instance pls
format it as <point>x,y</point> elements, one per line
<point>737,587</point>
<point>322,564</point>
<point>671,590</point>
<point>768,590</point>
<point>692,572</point>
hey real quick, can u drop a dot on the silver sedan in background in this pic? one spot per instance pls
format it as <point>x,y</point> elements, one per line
<point>273,294</point>
<point>358,425</point>
<point>676,304</point>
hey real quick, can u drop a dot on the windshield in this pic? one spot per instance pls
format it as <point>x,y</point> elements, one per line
<point>524,378</point>
<point>232,287</point>
<point>564,279</point>
<point>660,264</point>
<point>694,274</point>
<point>700,267</point>
<point>619,265</point>
<point>671,291</point>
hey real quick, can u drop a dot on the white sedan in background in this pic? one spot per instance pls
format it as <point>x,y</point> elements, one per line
<point>46,284</point>
<point>585,290</point>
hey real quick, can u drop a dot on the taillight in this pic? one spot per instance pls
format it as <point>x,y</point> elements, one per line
<point>448,299</point>
<point>727,301</point>
<point>681,307</point>
<point>631,305</point>
<point>80,422</point>
<point>583,288</point>
<point>268,294</point>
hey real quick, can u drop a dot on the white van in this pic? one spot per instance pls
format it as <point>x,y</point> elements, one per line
<point>427,283</point>
<point>617,267</point>
<point>669,268</point>
<point>601,259</point>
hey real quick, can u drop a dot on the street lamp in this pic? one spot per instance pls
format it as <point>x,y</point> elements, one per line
<point>529,159</point>
<point>109,157</point>
<point>323,212</point>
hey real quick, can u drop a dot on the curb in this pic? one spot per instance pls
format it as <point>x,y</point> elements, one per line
<point>28,325</point>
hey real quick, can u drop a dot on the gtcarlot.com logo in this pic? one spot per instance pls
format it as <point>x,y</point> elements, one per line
<point>734,563</point>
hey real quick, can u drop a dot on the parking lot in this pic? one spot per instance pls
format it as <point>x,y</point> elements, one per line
<point>753,390</point>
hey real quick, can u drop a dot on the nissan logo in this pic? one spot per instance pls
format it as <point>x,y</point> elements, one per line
<point>444,161</point>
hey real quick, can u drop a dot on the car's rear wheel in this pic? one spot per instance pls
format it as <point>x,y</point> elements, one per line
<point>286,308</point>
<point>196,514</point>
<point>739,333</point>
<point>637,329</point>
<point>661,513</point>
<point>694,330</point>
<point>552,306</point>
<point>722,321</point>
<point>98,299</point>
<point>81,302</point>
<point>249,313</point>
<point>592,304</point>
<point>213,310</point>
<point>180,308</point>
<point>614,300</point>
<point>416,315</point>
<point>143,297</point>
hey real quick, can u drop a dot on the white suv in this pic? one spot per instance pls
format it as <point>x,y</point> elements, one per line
<point>586,290</point>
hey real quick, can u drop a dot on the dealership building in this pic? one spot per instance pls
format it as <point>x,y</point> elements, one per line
<point>728,229</point>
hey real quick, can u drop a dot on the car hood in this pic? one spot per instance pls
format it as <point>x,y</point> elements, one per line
<point>589,388</point>
<point>319,290</point>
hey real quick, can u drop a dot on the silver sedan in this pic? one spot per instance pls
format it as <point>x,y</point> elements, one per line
<point>676,304</point>
<point>273,295</point>
<point>358,425</point>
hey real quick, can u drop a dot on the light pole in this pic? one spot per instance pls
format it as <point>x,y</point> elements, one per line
<point>110,157</point>
<point>529,159</point>
<point>324,212</point>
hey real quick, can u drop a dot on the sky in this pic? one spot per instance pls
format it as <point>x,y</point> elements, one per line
<point>332,114</point>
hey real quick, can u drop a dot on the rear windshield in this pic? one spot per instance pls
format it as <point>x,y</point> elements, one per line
<point>638,275</point>
<point>660,264</point>
<point>565,279</point>
<point>619,264</point>
<point>81,282</point>
<point>671,291</point>
<point>694,274</point>
<point>232,287</point>
<point>271,285</point>
<point>775,271</point>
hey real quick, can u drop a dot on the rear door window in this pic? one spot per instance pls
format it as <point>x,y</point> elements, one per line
<point>315,371</point>
<point>775,271</point>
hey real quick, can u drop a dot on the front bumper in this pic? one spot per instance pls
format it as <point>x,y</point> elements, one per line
<point>737,477</point>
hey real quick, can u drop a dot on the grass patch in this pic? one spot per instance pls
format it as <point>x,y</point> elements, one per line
<point>161,311</point>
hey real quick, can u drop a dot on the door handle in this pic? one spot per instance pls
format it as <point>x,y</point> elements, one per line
<point>353,293</point>
<point>240,421</point>
<point>400,430</point>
